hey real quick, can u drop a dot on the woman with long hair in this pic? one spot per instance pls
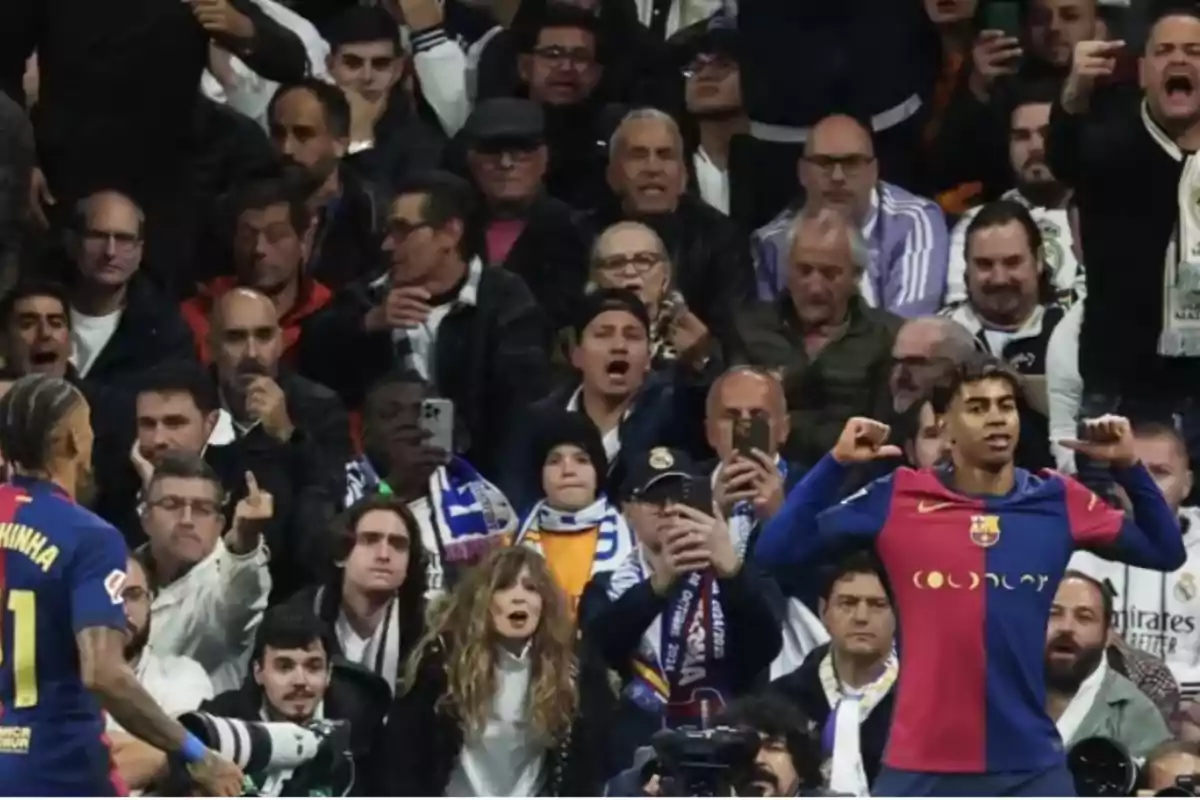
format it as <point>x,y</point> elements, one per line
<point>493,698</point>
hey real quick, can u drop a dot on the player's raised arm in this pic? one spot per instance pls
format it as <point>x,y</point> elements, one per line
<point>1152,539</point>
<point>794,535</point>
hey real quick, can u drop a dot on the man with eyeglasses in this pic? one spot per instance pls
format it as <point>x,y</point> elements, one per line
<point>211,588</point>
<point>525,230</point>
<point>121,324</point>
<point>178,683</point>
<point>906,235</point>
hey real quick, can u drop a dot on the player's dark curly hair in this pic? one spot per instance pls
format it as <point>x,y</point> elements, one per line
<point>29,414</point>
<point>975,367</point>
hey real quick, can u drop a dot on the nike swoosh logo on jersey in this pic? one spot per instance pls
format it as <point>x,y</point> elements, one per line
<point>928,508</point>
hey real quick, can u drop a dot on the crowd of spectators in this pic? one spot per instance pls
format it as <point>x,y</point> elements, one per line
<point>525,316</point>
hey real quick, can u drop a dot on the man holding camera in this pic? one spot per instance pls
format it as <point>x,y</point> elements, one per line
<point>683,620</point>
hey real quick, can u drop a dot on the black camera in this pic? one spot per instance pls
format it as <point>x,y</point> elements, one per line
<point>705,763</point>
<point>1102,768</point>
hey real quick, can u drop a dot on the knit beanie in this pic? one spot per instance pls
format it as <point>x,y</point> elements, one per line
<point>569,427</point>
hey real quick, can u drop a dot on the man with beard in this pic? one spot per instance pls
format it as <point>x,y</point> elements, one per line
<point>64,572</point>
<point>292,433</point>
<point>905,235</point>
<point>1008,313</point>
<point>1084,696</point>
<point>309,124</point>
<point>270,246</point>
<point>178,683</point>
<point>1039,191</point>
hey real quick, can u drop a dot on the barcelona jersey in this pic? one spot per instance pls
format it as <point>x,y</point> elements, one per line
<point>973,579</point>
<point>62,569</point>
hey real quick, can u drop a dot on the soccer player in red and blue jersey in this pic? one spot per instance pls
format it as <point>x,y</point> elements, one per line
<point>62,620</point>
<point>974,553</point>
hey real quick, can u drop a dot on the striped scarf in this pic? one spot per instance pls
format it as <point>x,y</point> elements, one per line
<point>848,708</point>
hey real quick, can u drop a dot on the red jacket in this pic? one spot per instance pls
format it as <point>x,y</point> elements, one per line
<point>196,311</point>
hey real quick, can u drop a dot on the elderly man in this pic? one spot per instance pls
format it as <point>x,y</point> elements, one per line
<point>648,177</point>
<point>905,235</point>
<point>924,350</point>
<point>832,349</point>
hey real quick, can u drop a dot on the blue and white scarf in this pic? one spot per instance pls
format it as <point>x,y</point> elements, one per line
<point>613,543</point>
<point>742,519</point>
<point>469,515</point>
<point>679,668</point>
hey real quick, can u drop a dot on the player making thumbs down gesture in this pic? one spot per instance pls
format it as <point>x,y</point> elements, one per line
<point>862,440</point>
<point>250,517</point>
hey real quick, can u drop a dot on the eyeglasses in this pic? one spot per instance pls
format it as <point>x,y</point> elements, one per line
<point>201,509</point>
<point>641,262</point>
<point>121,242</point>
<point>573,56</point>
<point>851,164</point>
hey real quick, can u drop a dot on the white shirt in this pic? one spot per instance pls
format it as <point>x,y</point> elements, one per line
<point>713,181</point>
<point>89,335</point>
<point>176,683</point>
<point>506,760</point>
<point>611,439</point>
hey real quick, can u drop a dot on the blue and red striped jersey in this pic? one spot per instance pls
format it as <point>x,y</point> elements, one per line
<point>62,569</point>
<point>973,579</point>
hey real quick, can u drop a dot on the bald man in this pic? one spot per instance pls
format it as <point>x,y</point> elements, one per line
<point>926,349</point>
<point>906,235</point>
<point>293,434</point>
<point>121,323</point>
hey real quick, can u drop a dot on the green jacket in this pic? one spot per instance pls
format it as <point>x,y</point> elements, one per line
<point>848,378</point>
<point>1124,714</point>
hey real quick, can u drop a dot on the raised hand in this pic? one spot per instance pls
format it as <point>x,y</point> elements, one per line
<point>995,54</point>
<point>1107,438</point>
<point>266,402</point>
<point>1092,61</point>
<point>710,535</point>
<point>141,464</point>
<point>863,440</point>
<point>220,18</point>
<point>251,516</point>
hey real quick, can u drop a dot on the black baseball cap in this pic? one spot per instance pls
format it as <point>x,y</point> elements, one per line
<point>597,301</point>
<point>652,472</point>
<point>506,120</point>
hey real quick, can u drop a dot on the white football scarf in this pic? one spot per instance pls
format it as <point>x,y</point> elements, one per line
<point>613,543</point>
<point>848,708</point>
<point>1180,334</point>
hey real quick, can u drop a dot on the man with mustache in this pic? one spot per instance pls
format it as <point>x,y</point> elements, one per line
<point>1038,190</point>
<point>1008,310</point>
<point>1084,696</point>
<point>178,683</point>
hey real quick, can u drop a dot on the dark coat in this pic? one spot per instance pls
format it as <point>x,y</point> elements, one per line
<point>422,742</point>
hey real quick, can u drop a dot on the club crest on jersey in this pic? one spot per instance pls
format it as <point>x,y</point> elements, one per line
<point>985,529</point>
<point>1185,588</point>
<point>114,584</point>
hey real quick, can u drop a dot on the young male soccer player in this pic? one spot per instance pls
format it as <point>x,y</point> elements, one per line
<point>62,621</point>
<point>974,553</point>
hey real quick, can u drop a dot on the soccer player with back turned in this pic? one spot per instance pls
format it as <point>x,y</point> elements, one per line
<point>62,621</point>
<point>974,553</point>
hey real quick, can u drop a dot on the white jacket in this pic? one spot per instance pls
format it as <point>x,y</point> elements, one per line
<point>212,613</point>
<point>1064,385</point>
<point>1156,611</point>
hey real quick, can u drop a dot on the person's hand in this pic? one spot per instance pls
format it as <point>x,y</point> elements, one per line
<point>713,533</point>
<point>251,516</point>
<point>684,550</point>
<point>364,114</point>
<point>688,334</point>
<point>40,198</point>
<point>754,480</point>
<point>863,440</point>
<point>768,484</point>
<point>417,15</point>
<point>141,464</point>
<point>407,307</point>
<point>220,64</point>
<point>266,403</point>
<point>1108,438</point>
<point>1092,61</point>
<point>218,777</point>
<point>995,54</point>
<point>220,18</point>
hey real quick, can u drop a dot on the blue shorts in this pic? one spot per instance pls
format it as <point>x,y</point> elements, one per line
<point>1054,781</point>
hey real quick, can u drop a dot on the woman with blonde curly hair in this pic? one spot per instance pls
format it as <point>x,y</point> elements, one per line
<point>494,695</point>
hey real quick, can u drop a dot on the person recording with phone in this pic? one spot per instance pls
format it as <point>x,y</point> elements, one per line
<point>683,620</point>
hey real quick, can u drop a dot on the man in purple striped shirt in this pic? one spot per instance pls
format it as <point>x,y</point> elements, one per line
<point>906,235</point>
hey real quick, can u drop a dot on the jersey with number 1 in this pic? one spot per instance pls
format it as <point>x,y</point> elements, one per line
<point>62,569</point>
